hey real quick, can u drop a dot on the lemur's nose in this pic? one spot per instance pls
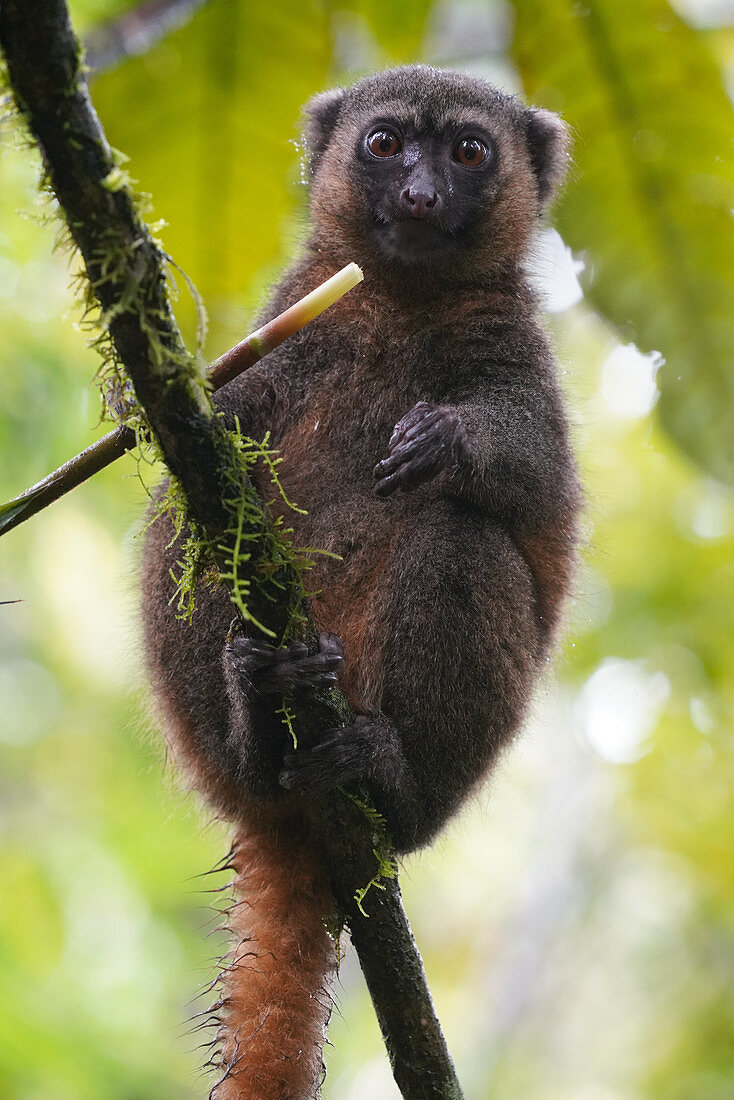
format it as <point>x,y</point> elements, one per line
<point>419,201</point>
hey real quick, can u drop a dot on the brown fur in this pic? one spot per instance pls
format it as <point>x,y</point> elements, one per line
<point>446,593</point>
<point>276,1002</point>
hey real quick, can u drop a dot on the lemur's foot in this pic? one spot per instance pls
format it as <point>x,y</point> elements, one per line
<point>428,439</point>
<point>267,670</point>
<point>342,756</point>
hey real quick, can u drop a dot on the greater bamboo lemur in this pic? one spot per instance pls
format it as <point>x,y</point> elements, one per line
<point>421,425</point>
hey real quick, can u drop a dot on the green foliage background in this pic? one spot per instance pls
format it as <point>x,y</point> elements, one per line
<point>577,921</point>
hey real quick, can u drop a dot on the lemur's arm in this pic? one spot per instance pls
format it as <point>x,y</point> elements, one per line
<point>515,459</point>
<point>504,449</point>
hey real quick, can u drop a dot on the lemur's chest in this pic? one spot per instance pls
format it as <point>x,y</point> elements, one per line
<point>329,450</point>
<point>344,427</point>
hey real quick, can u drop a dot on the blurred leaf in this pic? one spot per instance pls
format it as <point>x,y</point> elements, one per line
<point>135,31</point>
<point>652,196</point>
<point>397,28</point>
<point>209,119</point>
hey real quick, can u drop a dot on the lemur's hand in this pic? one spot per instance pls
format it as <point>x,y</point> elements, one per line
<point>342,756</point>
<point>265,669</point>
<point>428,439</point>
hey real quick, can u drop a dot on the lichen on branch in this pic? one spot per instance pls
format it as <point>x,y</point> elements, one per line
<point>128,312</point>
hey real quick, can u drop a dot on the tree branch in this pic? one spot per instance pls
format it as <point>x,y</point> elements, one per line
<point>126,269</point>
<point>122,439</point>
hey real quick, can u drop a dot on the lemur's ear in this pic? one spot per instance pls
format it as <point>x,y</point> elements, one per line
<point>321,114</point>
<point>548,142</point>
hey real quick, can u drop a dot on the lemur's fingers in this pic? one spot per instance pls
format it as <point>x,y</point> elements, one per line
<point>250,654</point>
<point>409,475</point>
<point>432,422</point>
<point>410,465</point>
<point>331,643</point>
<point>427,445</point>
<point>339,758</point>
<point>426,440</point>
<point>416,414</point>
<point>443,423</point>
<point>267,669</point>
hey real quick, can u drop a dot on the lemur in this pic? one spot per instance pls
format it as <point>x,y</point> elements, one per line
<point>421,426</point>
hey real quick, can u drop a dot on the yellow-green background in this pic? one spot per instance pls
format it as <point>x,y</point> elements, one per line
<point>576,921</point>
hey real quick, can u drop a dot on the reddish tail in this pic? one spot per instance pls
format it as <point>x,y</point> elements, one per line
<point>275,1000</point>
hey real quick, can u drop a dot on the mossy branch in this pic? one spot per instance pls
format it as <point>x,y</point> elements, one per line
<point>116,443</point>
<point>126,270</point>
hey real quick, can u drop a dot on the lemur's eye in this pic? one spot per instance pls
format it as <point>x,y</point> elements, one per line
<point>471,152</point>
<point>383,143</point>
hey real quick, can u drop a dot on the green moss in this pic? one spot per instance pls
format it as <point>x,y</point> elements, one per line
<point>280,565</point>
<point>120,271</point>
<point>289,718</point>
<point>386,868</point>
<point>116,180</point>
<point>382,850</point>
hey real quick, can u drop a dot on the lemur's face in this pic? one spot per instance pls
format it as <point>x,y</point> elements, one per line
<point>425,188</point>
<point>421,168</point>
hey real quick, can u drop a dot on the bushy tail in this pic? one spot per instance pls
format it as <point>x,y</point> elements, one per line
<point>275,1001</point>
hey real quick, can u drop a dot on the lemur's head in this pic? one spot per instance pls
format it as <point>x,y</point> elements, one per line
<point>421,167</point>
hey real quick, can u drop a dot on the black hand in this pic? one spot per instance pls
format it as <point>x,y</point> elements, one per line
<point>428,439</point>
<point>267,669</point>
<point>342,756</point>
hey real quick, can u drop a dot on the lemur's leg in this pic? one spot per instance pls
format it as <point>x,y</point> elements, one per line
<point>461,648</point>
